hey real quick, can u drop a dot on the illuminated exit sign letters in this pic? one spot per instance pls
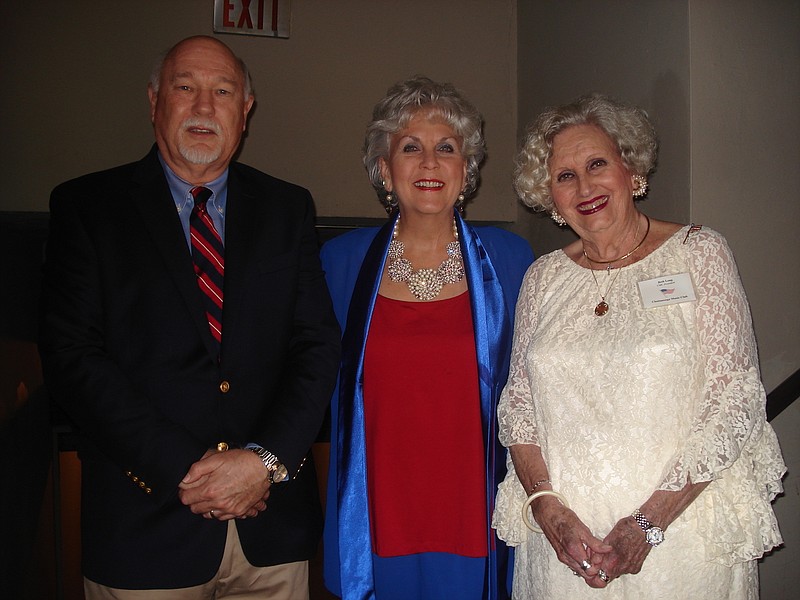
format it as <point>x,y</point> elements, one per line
<point>270,18</point>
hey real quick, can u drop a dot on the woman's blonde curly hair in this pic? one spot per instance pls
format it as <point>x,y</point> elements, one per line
<point>628,127</point>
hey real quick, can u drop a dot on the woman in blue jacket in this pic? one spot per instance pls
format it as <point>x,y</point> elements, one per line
<point>426,304</point>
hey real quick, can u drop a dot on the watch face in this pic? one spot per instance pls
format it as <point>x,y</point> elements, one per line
<point>654,536</point>
<point>280,473</point>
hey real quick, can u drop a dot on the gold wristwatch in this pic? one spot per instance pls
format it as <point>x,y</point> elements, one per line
<point>276,470</point>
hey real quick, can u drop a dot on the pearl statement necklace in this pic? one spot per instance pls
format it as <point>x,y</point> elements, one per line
<point>425,284</point>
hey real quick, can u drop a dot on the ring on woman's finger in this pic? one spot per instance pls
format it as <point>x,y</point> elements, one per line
<point>574,572</point>
<point>603,575</point>
<point>585,564</point>
<point>211,513</point>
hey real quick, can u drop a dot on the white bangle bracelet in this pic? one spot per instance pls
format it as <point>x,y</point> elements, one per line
<point>529,522</point>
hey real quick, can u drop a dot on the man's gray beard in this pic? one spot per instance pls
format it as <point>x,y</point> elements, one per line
<point>199,157</point>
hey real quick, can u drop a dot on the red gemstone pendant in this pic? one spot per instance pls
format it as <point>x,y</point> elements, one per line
<point>601,309</point>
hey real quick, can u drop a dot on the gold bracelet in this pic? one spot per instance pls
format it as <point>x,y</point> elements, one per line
<point>529,522</point>
<point>538,483</point>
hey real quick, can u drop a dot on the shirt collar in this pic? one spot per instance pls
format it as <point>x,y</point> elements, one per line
<point>181,190</point>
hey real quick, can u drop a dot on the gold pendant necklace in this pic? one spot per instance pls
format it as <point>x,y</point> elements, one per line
<point>425,284</point>
<point>602,307</point>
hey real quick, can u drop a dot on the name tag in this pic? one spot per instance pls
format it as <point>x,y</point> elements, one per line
<point>666,290</point>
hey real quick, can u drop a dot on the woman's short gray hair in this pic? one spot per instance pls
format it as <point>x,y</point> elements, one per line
<point>406,99</point>
<point>628,127</point>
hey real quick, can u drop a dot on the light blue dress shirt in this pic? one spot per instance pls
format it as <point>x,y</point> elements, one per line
<point>184,202</point>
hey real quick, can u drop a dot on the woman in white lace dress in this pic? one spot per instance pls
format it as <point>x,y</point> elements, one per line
<point>634,410</point>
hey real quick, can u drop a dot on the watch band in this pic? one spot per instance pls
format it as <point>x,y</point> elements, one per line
<point>641,520</point>
<point>653,534</point>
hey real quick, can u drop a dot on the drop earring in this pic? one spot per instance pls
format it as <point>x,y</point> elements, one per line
<point>460,203</point>
<point>390,203</point>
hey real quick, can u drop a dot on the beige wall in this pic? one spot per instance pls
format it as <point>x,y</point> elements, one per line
<point>745,141</point>
<point>636,51</point>
<point>79,69</point>
<point>721,80</point>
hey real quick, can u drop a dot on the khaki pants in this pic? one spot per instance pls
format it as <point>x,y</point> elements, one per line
<point>236,578</point>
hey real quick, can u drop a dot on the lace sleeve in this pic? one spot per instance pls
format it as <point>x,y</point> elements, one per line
<point>730,444</point>
<point>732,412</point>
<point>515,409</point>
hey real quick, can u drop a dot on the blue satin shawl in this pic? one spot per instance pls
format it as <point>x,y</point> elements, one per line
<point>492,322</point>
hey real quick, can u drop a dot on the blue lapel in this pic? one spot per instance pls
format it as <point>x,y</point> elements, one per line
<point>492,325</point>
<point>355,546</point>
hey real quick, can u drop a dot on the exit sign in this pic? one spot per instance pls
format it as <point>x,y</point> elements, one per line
<point>270,18</point>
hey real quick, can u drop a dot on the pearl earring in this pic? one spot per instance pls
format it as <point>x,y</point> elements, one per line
<point>640,188</point>
<point>556,216</point>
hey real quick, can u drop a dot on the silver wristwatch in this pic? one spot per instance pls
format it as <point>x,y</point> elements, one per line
<point>654,535</point>
<point>276,470</point>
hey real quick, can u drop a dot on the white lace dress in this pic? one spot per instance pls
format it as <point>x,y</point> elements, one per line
<point>640,400</point>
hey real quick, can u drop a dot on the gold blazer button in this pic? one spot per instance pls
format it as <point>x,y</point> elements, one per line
<point>224,387</point>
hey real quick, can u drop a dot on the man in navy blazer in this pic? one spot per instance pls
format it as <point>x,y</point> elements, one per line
<point>197,479</point>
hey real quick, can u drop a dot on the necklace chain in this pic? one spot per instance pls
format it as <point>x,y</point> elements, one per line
<point>624,256</point>
<point>425,284</point>
<point>602,307</point>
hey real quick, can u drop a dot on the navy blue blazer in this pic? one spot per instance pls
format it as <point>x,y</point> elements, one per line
<point>126,351</point>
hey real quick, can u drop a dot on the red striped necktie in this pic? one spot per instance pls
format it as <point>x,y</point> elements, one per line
<point>208,255</point>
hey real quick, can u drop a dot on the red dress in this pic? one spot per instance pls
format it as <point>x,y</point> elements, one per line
<point>424,441</point>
